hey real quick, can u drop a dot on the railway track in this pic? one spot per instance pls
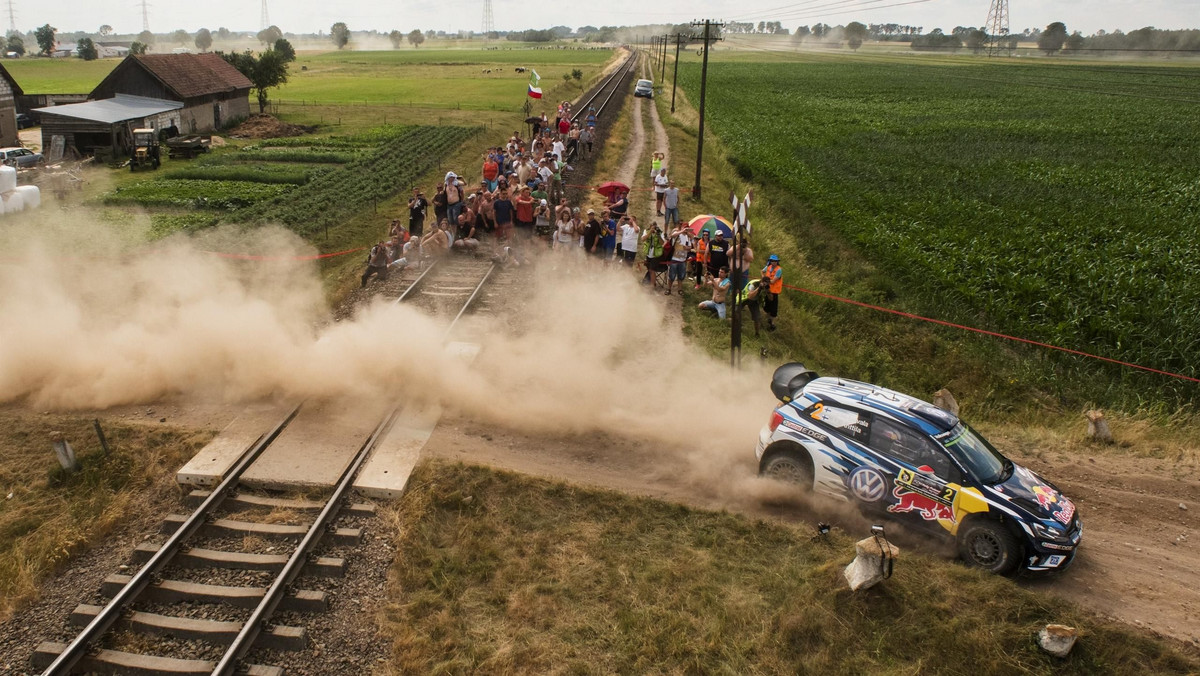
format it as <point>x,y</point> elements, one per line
<point>239,554</point>
<point>608,88</point>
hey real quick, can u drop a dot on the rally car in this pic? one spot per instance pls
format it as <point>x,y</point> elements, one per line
<point>900,457</point>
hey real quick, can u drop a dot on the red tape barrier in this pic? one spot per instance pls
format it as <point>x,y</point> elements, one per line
<point>252,257</point>
<point>594,187</point>
<point>989,333</point>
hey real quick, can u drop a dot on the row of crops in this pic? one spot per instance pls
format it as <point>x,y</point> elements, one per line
<point>304,183</point>
<point>1058,203</point>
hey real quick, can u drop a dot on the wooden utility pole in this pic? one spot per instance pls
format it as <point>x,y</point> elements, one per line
<point>675,78</point>
<point>708,39</point>
<point>663,75</point>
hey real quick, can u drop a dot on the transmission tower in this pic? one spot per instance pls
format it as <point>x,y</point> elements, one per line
<point>997,25</point>
<point>12,18</point>
<point>266,18</point>
<point>145,15</point>
<point>489,23</point>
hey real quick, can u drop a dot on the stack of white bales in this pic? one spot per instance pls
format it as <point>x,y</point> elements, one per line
<point>14,198</point>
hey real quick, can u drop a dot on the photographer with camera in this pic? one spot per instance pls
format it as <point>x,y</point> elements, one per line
<point>628,230</point>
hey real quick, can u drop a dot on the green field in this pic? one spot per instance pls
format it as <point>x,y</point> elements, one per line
<point>1056,202</point>
<point>432,78</point>
<point>59,76</point>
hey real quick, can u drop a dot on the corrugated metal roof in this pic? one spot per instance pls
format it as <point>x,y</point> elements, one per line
<point>118,109</point>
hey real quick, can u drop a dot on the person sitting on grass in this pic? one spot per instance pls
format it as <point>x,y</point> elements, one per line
<point>720,289</point>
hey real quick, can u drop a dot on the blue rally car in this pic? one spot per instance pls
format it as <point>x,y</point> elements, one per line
<point>903,458</point>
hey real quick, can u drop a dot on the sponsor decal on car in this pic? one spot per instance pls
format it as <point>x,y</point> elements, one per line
<point>808,432</point>
<point>930,498</point>
<point>1061,508</point>
<point>867,484</point>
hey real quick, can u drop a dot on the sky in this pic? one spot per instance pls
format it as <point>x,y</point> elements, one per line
<point>310,16</point>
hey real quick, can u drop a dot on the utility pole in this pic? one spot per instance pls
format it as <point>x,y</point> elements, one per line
<point>708,39</point>
<point>663,75</point>
<point>675,78</point>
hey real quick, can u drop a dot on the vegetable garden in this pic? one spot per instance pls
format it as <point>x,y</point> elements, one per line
<point>1056,202</point>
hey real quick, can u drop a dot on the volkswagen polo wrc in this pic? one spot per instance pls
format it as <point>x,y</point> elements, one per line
<point>902,458</point>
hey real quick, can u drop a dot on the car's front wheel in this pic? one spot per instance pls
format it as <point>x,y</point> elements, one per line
<point>790,466</point>
<point>990,546</point>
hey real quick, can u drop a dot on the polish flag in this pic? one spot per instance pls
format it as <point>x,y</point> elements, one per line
<point>535,92</point>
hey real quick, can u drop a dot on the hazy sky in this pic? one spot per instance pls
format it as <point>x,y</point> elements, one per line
<point>302,16</point>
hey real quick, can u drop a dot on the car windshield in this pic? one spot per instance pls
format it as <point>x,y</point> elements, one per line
<point>644,83</point>
<point>977,455</point>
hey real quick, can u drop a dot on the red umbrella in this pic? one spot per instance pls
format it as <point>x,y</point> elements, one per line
<point>607,189</point>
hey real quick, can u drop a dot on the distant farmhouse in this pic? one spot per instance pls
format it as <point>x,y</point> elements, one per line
<point>9,91</point>
<point>195,93</point>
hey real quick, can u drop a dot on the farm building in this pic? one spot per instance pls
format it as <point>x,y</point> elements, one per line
<point>9,91</point>
<point>213,93</point>
<point>102,127</point>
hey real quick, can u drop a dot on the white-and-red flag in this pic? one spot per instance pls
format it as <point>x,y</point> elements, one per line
<point>535,91</point>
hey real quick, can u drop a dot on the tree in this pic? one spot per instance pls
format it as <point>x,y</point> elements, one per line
<point>146,38</point>
<point>1074,43</point>
<point>1052,39</point>
<point>855,33</point>
<point>45,39</point>
<point>976,40</point>
<point>86,49</point>
<point>285,50</point>
<point>397,38</point>
<point>137,48</point>
<point>203,39</point>
<point>269,35</point>
<point>577,76</point>
<point>181,36</point>
<point>802,32</point>
<point>265,71</point>
<point>340,34</point>
<point>106,30</point>
<point>223,33</point>
<point>819,30</point>
<point>416,37</point>
<point>16,45</point>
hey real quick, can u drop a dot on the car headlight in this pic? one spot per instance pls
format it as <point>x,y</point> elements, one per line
<point>1047,533</point>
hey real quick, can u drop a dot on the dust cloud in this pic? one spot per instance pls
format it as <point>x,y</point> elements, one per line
<point>90,321</point>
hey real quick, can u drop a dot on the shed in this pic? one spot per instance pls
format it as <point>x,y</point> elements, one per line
<point>212,91</point>
<point>9,91</point>
<point>106,124</point>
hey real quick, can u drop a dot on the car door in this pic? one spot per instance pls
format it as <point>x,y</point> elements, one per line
<point>848,430</point>
<point>926,481</point>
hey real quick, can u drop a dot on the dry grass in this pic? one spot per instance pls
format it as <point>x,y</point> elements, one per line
<point>52,515</point>
<point>502,574</point>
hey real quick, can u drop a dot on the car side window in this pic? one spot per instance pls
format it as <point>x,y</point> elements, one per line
<point>911,448</point>
<point>851,423</point>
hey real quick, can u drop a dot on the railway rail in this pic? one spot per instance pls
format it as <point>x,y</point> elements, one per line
<point>141,603</point>
<point>610,85</point>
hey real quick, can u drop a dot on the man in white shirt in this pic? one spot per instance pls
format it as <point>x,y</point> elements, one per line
<point>628,231</point>
<point>677,268</point>
<point>660,190</point>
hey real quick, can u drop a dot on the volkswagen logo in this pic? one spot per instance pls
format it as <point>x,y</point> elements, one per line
<point>867,484</point>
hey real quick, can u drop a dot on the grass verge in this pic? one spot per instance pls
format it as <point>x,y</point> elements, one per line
<point>499,573</point>
<point>48,515</point>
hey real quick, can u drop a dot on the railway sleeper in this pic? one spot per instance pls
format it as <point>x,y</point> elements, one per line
<point>246,502</point>
<point>276,637</point>
<point>174,591</point>
<point>325,566</point>
<point>132,664</point>
<point>341,536</point>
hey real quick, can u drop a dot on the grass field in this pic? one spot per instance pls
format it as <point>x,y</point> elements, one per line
<point>50,515</point>
<point>59,76</point>
<point>1055,202</point>
<point>498,573</point>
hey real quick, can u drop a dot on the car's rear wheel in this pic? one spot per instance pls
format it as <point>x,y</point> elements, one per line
<point>990,546</point>
<point>790,466</point>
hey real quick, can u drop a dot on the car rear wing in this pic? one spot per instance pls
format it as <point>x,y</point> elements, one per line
<point>789,379</point>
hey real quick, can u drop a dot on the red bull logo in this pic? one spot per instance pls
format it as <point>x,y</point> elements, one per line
<point>1059,507</point>
<point>929,509</point>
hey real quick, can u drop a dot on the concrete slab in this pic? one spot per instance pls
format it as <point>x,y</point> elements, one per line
<point>209,466</point>
<point>317,446</point>
<point>386,472</point>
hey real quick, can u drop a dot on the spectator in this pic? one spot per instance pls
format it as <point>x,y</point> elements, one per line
<point>377,264</point>
<point>466,239</point>
<point>741,247</point>
<point>670,202</point>
<point>491,169</point>
<point>564,126</point>
<point>440,206</point>
<point>656,163</point>
<point>455,196</point>
<point>591,233</point>
<point>573,142</point>
<point>700,265</point>
<point>564,233</point>
<point>608,236</point>
<point>774,274</point>
<point>661,183</point>
<point>417,207</point>
<point>620,205</point>
<point>718,253</point>
<point>397,230</point>
<point>628,231</point>
<point>543,221</point>
<point>523,206</point>
<point>652,248</point>
<point>586,138</point>
<point>591,118</point>
<point>749,298</point>
<point>681,244</point>
<point>720,288</point>
<point>502,210</point>
<point>437,242</point>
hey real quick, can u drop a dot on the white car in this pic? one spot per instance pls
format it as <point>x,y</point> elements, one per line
<point>19,157</point>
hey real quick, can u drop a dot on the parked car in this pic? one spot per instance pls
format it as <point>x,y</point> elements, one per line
<point>19,157</point>
<point>24,121</point>
<point>901,458</point>
<point>644,88</point>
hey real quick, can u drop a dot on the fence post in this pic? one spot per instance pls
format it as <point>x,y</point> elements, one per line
<point>100,435</point>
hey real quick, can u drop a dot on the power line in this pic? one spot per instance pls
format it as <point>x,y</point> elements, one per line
<point>853,6</point>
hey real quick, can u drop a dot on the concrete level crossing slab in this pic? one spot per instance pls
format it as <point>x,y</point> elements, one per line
<point>386,472</point>
<point>317,446</point>
<point>211,464</point>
